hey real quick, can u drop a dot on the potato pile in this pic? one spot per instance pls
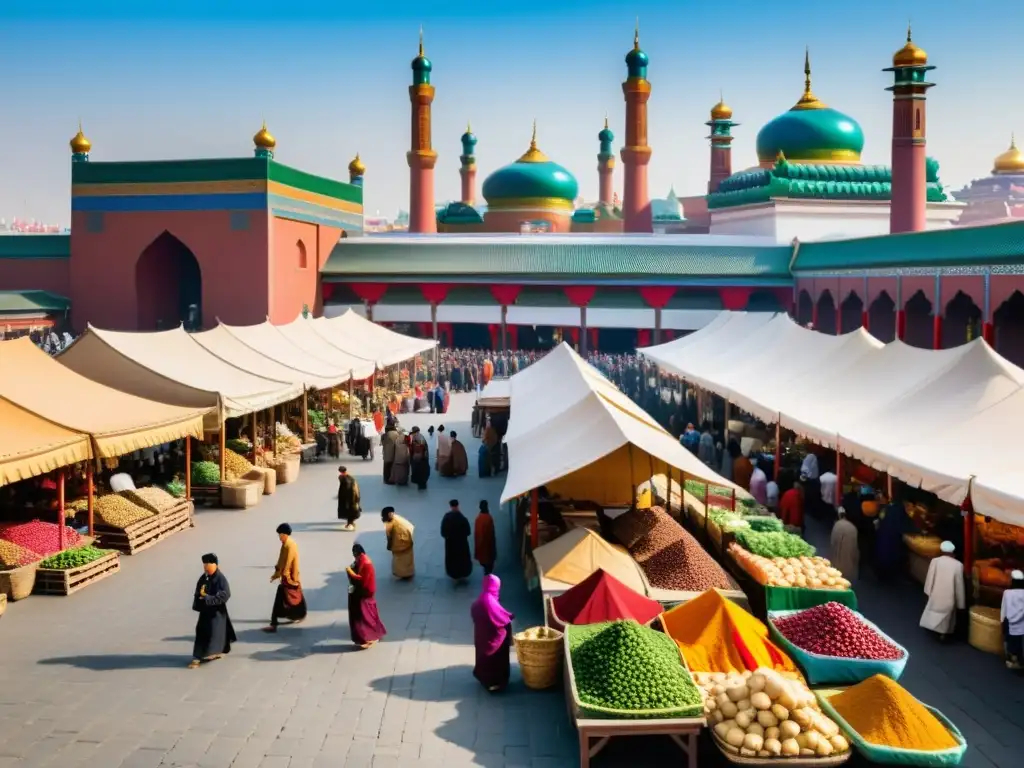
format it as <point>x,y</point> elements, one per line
<point>235,466</point>
<point>540,633</point>
<point>809,572</point>
<point>763,714</point>
<point>13,556</point>
<point>116,511</point>
<point>668,555</point>
<point>156,500</point>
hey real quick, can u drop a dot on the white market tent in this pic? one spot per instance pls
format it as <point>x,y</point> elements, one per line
<point>270,341</point>
<point>940,420</point>
<point>221,342</point>
<point>577,434</point>
<point>171,367</point>
<point>354,334</point>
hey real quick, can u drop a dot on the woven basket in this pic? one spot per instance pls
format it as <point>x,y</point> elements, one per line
<point>18,583</point>
<point>540,660</point>
<point>986,632</point>
<point>3,603</point>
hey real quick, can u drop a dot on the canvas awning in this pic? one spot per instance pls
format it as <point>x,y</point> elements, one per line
<point>221,342</point>
<point>268,340</point>
<point>30,445</point>
<point>582,438</point>
<point>118,423</point>
<point>497,394</point>
<point>300,333</point>
<point>354,334</point>
<point>171,367</point>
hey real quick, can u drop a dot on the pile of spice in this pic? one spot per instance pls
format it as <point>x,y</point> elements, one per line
<point>833,629</point>
<point>883,713</point>
<point>716,635</point>
<point>601,597</point>
<point>668,555</point>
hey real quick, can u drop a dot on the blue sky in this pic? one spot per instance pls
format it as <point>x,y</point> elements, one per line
<point>195,78</point>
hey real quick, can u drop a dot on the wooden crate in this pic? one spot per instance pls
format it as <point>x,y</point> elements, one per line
<point>177,519</point>
<point>135,538</point>
<point>208,495</point>
<point>52,581</point>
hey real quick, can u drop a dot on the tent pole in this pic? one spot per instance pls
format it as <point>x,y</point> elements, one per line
<point>534,523</point>
<point>778,451</point>
<point>351,395</point>
<point>253,434</point>
<point>669,502</point>
<point>90,494</point>
<point>968,513</point>
<point>60,506</point>
<point>728,414</point>
<point>305,416</point>
<point>839,480</point>
<point>223,429</point>
<point>188,475</point>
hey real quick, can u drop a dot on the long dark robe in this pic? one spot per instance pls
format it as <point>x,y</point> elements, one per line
<point>289,604</point>
<point>400,466</point>
<point>420,463</point>
<point>889,547</point>
<point>349,507</point>
<point>457,462</point>
<point>363,617</point>
<point>214,632</point>
<point>492,667</point>
<point>455,530</point>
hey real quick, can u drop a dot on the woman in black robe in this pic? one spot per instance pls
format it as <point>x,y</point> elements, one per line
<point>214,632</point>
<point>455,530</point>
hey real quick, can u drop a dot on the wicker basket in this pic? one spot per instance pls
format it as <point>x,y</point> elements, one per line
<point>986,632</point>
<point>540,659</point>
<point>288,468</point>
<point>18,583</point>
<point>3,603</point>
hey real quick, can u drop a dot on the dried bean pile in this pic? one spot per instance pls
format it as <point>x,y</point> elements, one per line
<point>12,556</point>
<point>669,556</point>
<point>833,629</point>
<point>116,511</point>
<point>154,499</point>
<point>39,537</point>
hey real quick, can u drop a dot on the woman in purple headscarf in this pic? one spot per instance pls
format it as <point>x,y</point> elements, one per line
<point>492,636</point>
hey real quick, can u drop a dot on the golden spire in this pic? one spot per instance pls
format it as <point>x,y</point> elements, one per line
<point>808,100</point>
<point>469,127</point>
<point>80,145</point>
<point>533,154</point>
<point>356,167</point>
<point>606,120</point>
<point>1010,161</point>
<point>636,35</point>
<point>721,110</point>
<point>910,55</point>
<point>264,139</point>
<point>421,41</point>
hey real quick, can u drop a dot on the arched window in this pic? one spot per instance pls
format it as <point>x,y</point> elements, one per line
<point>300,247</point>
<point>917,119</point>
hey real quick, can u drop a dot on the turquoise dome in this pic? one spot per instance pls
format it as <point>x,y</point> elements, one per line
<point>811,136</point>
<point>533,179</point>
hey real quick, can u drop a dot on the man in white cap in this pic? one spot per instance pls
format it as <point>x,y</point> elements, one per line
<point>944,587</point>
<point>1012,616</point>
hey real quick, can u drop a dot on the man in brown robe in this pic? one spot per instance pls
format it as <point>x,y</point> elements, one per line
<point>289,602</point>
<point>485,543</point>
<point>388,442</point>
<point>349,508</point>
<point>457,463</point>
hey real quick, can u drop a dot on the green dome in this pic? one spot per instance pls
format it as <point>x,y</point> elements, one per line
<point>532,180</point>
<point>811,135</point>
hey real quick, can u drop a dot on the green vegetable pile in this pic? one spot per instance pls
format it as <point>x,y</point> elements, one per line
<point>697,489</point>
<point>205,473</point>
<point>176,488</point>
<point>637,671</point>
<point>317,419</point>
<point>73,558</point>
<point>774,544</point>
<point>239,445</point>
<point>764,524</point>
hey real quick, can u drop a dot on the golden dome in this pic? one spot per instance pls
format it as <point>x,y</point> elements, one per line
<point>909,55</point>
<point>264,139</point>
<point>1010,161</point>
<point>79,144</point>
<point>356,167</point>
<point>721,111</point>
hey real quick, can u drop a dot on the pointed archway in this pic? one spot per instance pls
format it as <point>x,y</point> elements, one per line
<point>1009,328</point>
<point>168,285</point>
<point>828,317</point>
<point>919,326</point>
<point>882,317</point>
<point>851,313</point>
<point>804,308</point>
<point>961,322</point>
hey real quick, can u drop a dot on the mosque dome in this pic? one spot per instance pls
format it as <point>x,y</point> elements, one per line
<point>606,134</point>
<point>1010,161</point>
<point>80,145</point>
<point>910,55</point>
<point>721,111</point>
<point>356,167</point>
<point>264,139</point>
<point>811,132</point>
<point>530,180</point>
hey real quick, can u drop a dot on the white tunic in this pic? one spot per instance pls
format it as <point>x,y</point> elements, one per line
<point>944,587</point>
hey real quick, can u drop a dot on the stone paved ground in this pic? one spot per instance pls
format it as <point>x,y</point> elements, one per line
<point>99,679</point>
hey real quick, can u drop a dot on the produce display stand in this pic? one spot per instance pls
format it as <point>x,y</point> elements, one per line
<point>67,581</point>
<point>765,598</point>
<point>595,733</point>
<point>893,755</point>
<point>142,535</point>
<point>800,761</point>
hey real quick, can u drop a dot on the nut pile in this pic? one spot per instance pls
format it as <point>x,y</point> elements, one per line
<point>763,714</point>
<point>668,555</point>
<point>833,629</point>
<point>235,466</point>
<point>116,511</point>
<point>12,556</point>
<point>156,500</point>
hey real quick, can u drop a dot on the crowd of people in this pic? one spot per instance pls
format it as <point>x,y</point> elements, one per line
<point>49,341</point>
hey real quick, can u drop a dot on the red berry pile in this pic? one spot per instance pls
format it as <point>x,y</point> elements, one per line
<point>39,537</point>
<point>833,629</point>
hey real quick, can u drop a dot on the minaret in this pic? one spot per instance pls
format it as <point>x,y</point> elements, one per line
<point>605,166</point>
<point>467,169</point>
<point>264,143</point>
<point>80,146</point>
<point>421,156</point>
<point>908,209</point>
<point>721,126</point>
<point>356,171</point>
<point>636,205</point>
